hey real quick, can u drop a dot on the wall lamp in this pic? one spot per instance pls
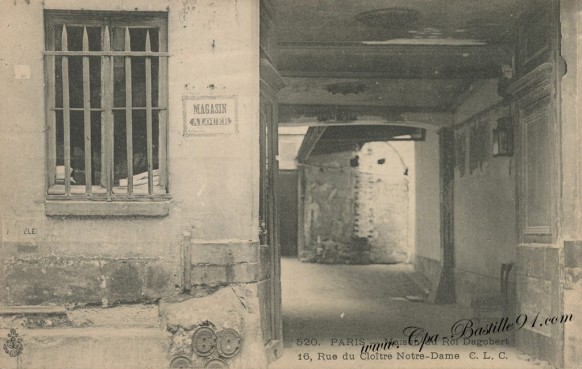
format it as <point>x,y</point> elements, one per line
<point>503,138</point>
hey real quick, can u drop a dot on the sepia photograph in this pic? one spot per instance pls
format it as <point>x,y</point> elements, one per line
<point>290,184</point>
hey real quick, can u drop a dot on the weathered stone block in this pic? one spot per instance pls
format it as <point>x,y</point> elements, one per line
<point>234,307</point>
<point>51,280</point>
<point>224,252</point>
<point>124,281</point>
<point>573,278</point>
<point>573,329</point>
<point>225,274</point>
<point>23,250</point>
<point>34,316</point>
<point>534,344</point>
<point>161,278</point>
<point>535,296</point>
<point>84,281</point>
<point>127,348</point>
<point>366,201</point>
<point>243,272</point>
<point>208,274</point>
<point>573,254</point>
<point>122,316</point>
<point>551,264</point>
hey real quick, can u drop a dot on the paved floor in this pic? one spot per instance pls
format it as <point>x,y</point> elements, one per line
<point>333,309</point>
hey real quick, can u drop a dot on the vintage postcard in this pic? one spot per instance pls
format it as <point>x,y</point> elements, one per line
<point>290,184</point>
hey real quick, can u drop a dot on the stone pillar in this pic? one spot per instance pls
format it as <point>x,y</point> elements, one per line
<point>571,22</point>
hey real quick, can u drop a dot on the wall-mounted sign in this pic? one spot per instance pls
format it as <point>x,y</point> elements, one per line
<point>210,115</point>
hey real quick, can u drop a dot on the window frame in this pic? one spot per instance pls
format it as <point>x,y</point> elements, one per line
<point>104,191</point>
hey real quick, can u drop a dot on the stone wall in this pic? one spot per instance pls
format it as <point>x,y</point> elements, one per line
<point>87,257</point>
<point>81,262</point>
<point>484,196</point>
<point>427,210</point>
<point>572,305</point>
<point>539,290</point>
<point>571,48</point>
<point>383,201</point>
<point>357,213</point>
<point>329,206</point>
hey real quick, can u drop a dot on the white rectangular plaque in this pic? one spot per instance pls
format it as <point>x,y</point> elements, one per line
<point>210,115</point>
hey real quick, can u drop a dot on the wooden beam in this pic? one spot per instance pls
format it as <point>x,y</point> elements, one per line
<point>351,113</point>
<point>408,93</point>
<point>357,60</point>
<point>309,141</point>
<point>392,74</point>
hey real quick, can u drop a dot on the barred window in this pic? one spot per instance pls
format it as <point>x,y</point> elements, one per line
<point>106,77</point>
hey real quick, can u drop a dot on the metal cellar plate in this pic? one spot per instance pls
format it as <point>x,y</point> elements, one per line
<point>181,362</point>
<point>228,343</point>
<point>203,341</point>
<point>216,364</point>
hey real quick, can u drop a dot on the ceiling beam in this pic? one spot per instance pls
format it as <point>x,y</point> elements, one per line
<point>310,140</point>
<point>357,60</point>
<point>486,73</point>
<point>350,113</point>
<point>401,123</point>
<point>392,49</point>
<point>293,116</point>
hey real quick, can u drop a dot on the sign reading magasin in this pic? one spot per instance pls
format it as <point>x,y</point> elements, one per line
<point>210,115</point>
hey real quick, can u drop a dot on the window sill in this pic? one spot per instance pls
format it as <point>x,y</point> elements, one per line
<point>107,208</point>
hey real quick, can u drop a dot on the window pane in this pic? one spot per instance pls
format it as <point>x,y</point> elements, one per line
<point>139,143</point>
<point>77,147</point>
<point>75,81</point>
<point>120,147</point>
<point>138,81</point>
<point>58,29</point>
<point>155,39</point>
<point>58,81</point>
<point>60,156</point>
<point>95,81</point>
<point>119,82</point>
<point>156,139</point>
<point>138,39</point>
<point>75,38</point>
<point>96,148</point>
<point>140,163</point>
<point>138,86</point>
<point>60,142</point>
<point>94,34</point>
<point>155,80</point>
<point>118,38</point>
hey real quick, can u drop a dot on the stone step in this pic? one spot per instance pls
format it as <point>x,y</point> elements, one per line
<point>88,348</point>
<point>36,317</point>
<point>32,310</point>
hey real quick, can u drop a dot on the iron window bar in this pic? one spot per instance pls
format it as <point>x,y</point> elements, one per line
<point>106,188</point>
